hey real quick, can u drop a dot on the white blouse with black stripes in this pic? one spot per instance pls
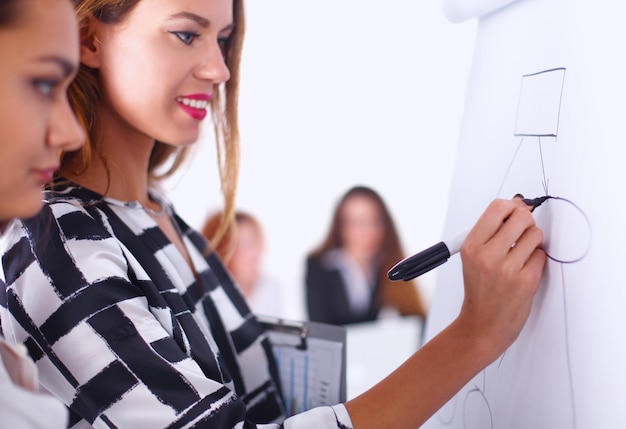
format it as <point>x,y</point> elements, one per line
<point>125,334</point>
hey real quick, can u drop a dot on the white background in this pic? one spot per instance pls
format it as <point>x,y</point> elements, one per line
<point>336,93</point>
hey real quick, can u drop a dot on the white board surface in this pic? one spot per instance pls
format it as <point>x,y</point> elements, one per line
<point>544,115</point>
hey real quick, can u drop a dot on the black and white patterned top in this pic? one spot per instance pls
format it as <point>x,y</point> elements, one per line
<point>125,334</point>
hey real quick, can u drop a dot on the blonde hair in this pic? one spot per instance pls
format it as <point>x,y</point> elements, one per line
<point>84,95</point>
<point>225,245</point>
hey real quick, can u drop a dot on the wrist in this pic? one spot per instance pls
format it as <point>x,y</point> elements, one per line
<point>480,347</point>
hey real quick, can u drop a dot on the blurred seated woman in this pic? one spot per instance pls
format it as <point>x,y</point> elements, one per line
<point>346,275</point>
<point>242,248</point>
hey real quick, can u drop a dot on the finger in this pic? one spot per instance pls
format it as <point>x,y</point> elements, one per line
<point>526,245</point>
<point>491,220</point>
<point>513,229</point>
<point>534,269</point>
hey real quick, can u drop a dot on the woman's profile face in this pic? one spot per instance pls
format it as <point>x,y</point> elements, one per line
<point>362,228</point>
<point>38,59</point>
<point>159,67</point>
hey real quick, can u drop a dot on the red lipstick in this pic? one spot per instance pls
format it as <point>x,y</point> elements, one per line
<point>195,105</point>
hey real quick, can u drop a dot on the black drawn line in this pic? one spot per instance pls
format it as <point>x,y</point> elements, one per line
<point>567,350</point>
<point>508,170</point>
<point>501,359</point>
<point>534,135</point>
<point>558,117</point>
<point>543,170</point>
<point>544,71</point>
<point>584,215</point>
<point>448,421</point>
<point>484,390</point>
<point>467,395</point>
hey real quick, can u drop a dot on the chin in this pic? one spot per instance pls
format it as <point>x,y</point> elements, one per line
<point>188,142</point>
<point>27,208</point>
<point>190,139</point>
<point>180,140</point>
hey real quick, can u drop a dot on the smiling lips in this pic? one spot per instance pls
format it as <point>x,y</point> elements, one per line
<point>45,175</point>
<point>195,105</point>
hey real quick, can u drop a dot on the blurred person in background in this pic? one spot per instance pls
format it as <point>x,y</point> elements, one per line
<point>346,275</point>
<point>242,248</point>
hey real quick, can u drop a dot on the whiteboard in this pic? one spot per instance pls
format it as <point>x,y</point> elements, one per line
<point>544,114</point>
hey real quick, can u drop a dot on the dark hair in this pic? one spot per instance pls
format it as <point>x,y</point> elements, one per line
<point>390,246</point>
<point>402,296</point>
<point>9,12</point>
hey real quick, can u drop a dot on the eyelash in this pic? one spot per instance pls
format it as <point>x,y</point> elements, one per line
<point>45,87</point>
<point>187,37</point>
<point>183,36</point>
<point>223,43</point>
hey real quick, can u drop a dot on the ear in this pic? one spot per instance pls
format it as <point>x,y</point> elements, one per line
<point>89,44</point>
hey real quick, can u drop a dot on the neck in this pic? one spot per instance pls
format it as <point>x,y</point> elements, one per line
<point>120,169</point>
<point>364,259</point>
<point>112,179</point>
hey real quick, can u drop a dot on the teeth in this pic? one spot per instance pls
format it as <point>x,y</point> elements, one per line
<point>194,104</point>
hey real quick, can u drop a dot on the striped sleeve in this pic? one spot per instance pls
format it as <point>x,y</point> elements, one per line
<point>105,341</point>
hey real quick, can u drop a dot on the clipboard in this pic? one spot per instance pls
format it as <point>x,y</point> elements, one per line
<point>311,361</point>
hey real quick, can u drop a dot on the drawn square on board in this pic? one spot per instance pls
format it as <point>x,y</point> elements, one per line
<point>539,103</point>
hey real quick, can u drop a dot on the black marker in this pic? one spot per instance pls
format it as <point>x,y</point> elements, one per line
<point>426,260</point>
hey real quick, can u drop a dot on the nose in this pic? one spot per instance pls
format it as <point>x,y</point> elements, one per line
<point>64,131</point>
<point>213,66</point>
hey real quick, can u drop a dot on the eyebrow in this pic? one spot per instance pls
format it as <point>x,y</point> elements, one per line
<point>203,22</point>
<point>192,16</point>
<point>67,66</point>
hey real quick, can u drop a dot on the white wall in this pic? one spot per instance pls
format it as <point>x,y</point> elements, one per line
<point>337,93</point>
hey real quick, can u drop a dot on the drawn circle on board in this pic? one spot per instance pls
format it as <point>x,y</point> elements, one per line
<point>566,230</point>
<point>446,414</point>
<point>476,410</point>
